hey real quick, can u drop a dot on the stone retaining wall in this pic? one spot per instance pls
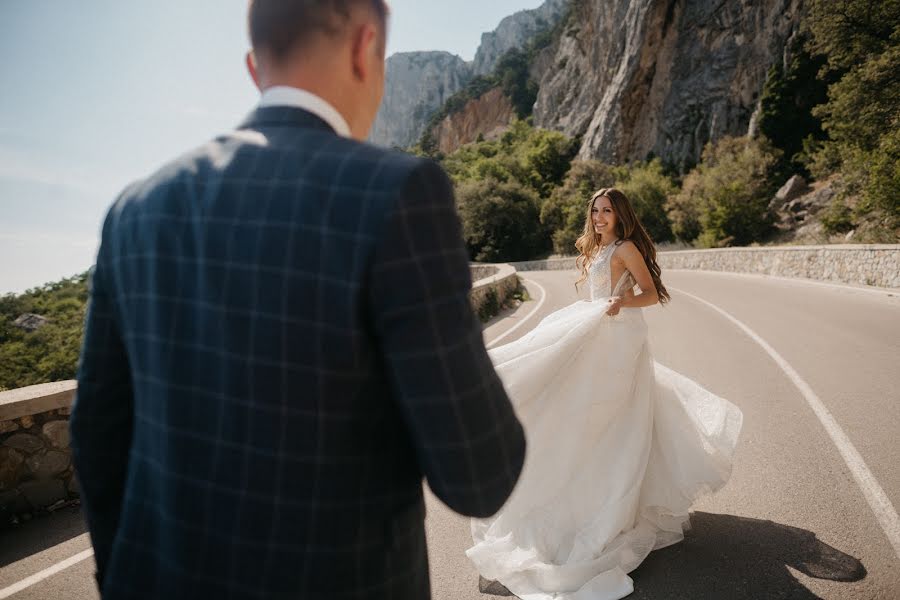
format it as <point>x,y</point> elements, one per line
<point>492,285</point>
<point>863,264</point>
<point>876,265</point>
<point>35,461</point>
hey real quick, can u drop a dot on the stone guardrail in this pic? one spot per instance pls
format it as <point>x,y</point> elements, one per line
<point>862,264</point>
<point>36,470</point>
<point>493,284</point>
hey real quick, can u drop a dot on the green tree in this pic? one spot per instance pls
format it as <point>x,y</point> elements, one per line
<point>513,73</point>
<point>534,157</point>
<point>860,41</point>
<point>501,220</point>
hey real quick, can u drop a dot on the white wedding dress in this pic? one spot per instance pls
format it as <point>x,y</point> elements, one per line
<point>619,447</point>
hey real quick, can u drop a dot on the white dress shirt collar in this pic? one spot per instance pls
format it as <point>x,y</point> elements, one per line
<point>282,95</point>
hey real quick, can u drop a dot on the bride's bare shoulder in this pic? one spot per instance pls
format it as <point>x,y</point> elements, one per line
<point>626,249</point>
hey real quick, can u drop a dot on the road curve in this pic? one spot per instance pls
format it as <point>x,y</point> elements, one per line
<point>793,522</point>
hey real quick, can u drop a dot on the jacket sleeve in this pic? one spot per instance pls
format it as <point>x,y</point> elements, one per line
<point>101,421</point>
<point>470,444</point>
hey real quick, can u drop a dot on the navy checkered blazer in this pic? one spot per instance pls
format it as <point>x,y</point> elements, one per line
<point>279,346</point>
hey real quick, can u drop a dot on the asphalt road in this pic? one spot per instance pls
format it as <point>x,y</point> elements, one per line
<point>793,522</point>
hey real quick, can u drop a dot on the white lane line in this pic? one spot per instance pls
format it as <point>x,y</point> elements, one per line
<point>48,572</point>
<point>526,317</point>
<point>878,501</point>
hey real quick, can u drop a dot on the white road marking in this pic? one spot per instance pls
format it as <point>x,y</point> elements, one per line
<point>878,501</point>
<point>48,572</point>
<point>534,310</point>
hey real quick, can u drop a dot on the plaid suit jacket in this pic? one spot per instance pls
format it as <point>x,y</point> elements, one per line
<point>278,347</point>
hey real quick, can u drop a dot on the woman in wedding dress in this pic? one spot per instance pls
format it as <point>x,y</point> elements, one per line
<point>619,446</point>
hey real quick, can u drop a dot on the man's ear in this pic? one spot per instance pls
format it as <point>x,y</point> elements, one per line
<point>365,46</point>
<point>253,69</point>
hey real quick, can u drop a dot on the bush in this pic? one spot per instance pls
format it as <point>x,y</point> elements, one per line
<point>648,188</point>
<point>500,221</point>
<point>724,200</point>
<point>534,157</point>
<point>51,352</point>
<point>837,218</point>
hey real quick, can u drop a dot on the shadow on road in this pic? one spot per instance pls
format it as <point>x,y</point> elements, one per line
<point>724,556</point>
<point>39,534</point>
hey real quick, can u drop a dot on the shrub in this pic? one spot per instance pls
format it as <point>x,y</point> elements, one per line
<point>51,352</point>
<point>724,200</point>
<point>648,188</point>
<point>500,221</point>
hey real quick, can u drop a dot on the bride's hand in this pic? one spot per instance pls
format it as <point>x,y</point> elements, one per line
<point>615,303</point>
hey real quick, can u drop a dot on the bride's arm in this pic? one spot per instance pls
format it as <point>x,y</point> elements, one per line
<point>634,262</point>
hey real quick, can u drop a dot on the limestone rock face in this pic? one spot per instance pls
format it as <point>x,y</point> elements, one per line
<point>487,116</point>
<point>418,83</point>
<point>514,32</point>
<point>30,322</point>
<point>794,187</point>
<point>416,86</point>
<point>661,77</point>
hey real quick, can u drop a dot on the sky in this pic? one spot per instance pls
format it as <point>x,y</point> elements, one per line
<point>98,93</point>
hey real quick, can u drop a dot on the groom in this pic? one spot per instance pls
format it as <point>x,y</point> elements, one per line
<point>279,346</point>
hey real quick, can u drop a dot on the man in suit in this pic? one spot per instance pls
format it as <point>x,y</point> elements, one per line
<point>279,346</point>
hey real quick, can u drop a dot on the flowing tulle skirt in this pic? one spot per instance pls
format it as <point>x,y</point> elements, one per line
<point>619,447</point>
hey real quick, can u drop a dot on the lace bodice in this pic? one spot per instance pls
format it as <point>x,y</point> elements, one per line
<point>600,275</point>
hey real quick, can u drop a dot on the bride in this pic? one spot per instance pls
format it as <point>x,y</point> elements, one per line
<point>619,446</point>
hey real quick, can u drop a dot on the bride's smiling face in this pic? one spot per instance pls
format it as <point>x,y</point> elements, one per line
<point>603,217</point>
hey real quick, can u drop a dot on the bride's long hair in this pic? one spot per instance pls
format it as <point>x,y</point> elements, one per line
<point>628,227</point>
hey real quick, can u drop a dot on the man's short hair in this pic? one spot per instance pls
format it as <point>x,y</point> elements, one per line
<point>277,27</point>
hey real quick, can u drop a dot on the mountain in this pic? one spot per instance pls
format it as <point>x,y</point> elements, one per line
<point>515,31</point>
<point>631,79</point>
<point>418,83</point>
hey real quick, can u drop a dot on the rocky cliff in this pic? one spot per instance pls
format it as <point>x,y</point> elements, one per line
<point>514,32</point>
<point>486,116</point>
<point>633,78</point>
<point>661,77</point>
<point>416,85</point>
